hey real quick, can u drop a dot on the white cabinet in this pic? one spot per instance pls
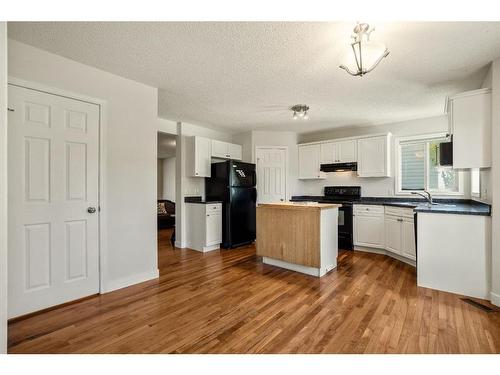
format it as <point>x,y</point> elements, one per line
<point>328,153</point>
<point>369,226</point>
<point>374,156</point>
<point>198,156</point>
<point>400,232</point>
<point>309,162</point>
<point>338,152</point>
<point>226,150</point>
<point>408,241</point>
<point>469,114</point>
<point>204,232</point>
<point>393,235</point>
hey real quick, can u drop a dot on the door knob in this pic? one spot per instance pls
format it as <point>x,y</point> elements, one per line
<point>91,210</point>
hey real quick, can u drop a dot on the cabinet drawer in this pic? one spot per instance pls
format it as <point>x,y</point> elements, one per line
<point>399,211</point>
<point>365,208</point>
<point>213,207</point>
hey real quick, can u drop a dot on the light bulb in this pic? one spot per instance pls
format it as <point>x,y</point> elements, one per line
<point>306,116</point>
<point>295,115</point>
<point>301,114</point>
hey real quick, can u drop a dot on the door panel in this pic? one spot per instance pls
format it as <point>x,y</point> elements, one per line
<point>393,234</point>
<point>53,179</point>
<point>213,229</point>
<point>369,231</point>
<point>271,175</point>
<point>346,151</point>
<point>408,241</point>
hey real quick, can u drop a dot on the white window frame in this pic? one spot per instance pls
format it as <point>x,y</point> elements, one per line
<point>397,173</point>
<point>472,193</point>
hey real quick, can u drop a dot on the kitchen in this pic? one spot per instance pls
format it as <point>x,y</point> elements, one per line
<point>408,225</point>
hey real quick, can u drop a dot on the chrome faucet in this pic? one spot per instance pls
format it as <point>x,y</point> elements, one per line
<point>425,194</point>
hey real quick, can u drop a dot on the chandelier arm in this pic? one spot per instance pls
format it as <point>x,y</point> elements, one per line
<point>354,74</point>
<point>386,52</point>
<point>356,56</point>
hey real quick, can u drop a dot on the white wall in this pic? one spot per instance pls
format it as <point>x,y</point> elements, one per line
<point>130,163</point>
<point>168,183</point>
<point>486,188</point>
<point>159,179</point>
<point>3,187</point>
<point>495,183</point>
<point>375,187</point>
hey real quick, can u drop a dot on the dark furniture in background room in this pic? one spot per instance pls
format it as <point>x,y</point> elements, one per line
<point>166,220</point>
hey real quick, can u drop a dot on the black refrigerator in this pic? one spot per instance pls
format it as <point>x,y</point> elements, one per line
<point>233,183</point>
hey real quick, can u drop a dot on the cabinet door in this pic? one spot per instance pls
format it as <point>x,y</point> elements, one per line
<point>213,233</point>
<point>393,234</point>
<point>372,157</point>
<point>328,153</point>
<point>202,156</point>
<point>220,149</point>
<point>309,161</point>
<point>408,239</point>
<point>346,151</point>
<point>369,230</point>
<point>235,151</point>
<point>471,122</point>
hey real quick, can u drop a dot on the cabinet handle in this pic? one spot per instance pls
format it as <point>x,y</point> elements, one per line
<point>400,219</point>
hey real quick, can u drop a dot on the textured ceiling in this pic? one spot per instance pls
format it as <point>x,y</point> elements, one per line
<point>166,145</point>
<point>243,76</point>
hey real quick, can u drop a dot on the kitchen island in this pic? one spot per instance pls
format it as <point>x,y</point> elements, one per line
<point>299,236</point>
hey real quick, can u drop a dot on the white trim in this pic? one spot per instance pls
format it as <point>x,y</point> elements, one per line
<point>495,298</point>
<point>485,90</point>
<point>102,163</point>
<point>397,166</point>
<point>287,163</point>
<point>312,271</point>
<point>130,280</point>
<point>388,253</point>
<point>356,137</point>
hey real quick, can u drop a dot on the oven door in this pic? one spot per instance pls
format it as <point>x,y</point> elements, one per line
<point>345,227</point>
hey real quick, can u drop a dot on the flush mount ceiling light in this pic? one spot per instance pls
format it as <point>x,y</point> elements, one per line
<point>300,111</point>
<point>366,54</point>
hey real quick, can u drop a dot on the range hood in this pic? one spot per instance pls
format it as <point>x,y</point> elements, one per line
<point>338,167</point>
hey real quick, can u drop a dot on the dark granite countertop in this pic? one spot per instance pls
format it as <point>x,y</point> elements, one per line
<point>442,206</point>
<point>198,200</point>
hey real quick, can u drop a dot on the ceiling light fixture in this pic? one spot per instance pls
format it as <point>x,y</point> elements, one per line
<point>366,54</point>
<point>300,111</point>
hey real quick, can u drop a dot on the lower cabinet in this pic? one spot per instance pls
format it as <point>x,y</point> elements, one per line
<point>369,226</point>
<point>204,232</point>
<point>389,228</point>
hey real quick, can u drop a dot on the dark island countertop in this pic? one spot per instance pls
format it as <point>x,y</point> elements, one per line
<point>442,206</point>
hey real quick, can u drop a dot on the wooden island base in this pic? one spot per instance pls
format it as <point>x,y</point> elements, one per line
<point>300,237</point>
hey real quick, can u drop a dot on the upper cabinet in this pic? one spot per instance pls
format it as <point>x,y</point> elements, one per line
<point>199,151</point>
<point>374,156</point>
<point>338,152</point>
<point>469,114</point>
<point>309,162</point>
<point>225,150</point>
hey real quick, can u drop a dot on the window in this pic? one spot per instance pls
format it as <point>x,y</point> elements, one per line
<point>475,183</point>
<point>419,168</point>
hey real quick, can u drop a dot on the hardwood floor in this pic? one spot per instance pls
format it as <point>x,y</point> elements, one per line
<point>229,302</point>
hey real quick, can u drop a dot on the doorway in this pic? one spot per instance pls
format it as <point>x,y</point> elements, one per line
<point>271,164</point>
<point>166,186</point>
<point>53,213</point>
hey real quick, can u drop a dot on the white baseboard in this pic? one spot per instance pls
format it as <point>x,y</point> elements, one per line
<point>495,299</point>
<point>130,280</point>
<point>411,262</point>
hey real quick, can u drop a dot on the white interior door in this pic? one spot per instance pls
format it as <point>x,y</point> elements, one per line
<point>53,189</point>
<point>271,174</point>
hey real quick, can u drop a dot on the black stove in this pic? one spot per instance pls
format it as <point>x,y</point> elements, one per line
<point>346,196</point>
